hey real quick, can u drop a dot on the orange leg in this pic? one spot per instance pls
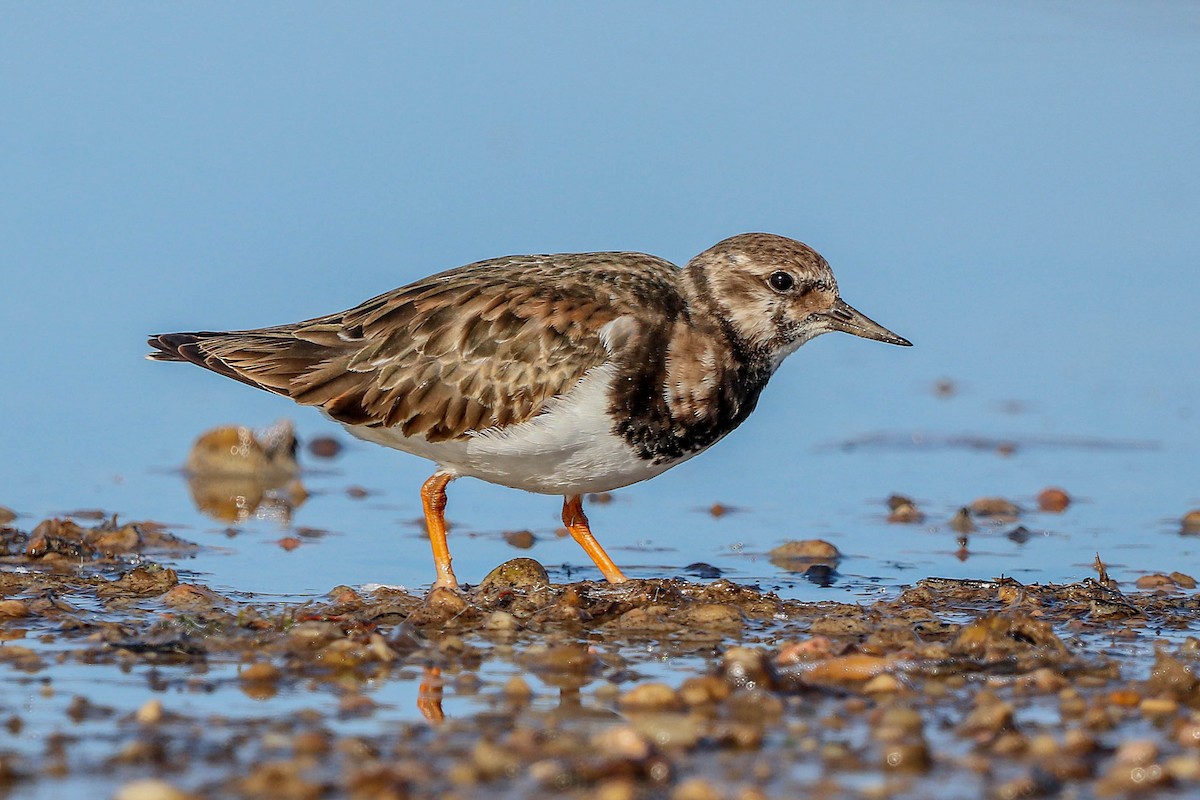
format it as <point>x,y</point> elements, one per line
<point>577,524</point>
<point>429,695</point>
<point>433,500</point>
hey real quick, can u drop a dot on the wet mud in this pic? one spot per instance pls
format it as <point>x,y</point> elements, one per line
<point>521,687</point>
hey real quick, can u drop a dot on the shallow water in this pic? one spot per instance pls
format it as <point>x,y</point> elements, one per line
<point>1015,189</point>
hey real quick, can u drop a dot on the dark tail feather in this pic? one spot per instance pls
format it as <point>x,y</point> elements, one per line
<point>168,346</point>
<point>190,347</point>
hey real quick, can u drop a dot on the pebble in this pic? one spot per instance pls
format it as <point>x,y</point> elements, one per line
<point>13,609</point>
<point>150,789</point>
<point>260,671</point>
<point>443,603</point>
<point>493,761</point>
<point>1158,706</point>
<point>907,756</point>
<point>1183,768</point>
<point>883,684</point>
<point>522,540</point>
<point>150,712</point>
<point>1183,580</point>
<point>1133,768</point>
<point>311,743</point>
<point>325,447</point>
<point>650,697</point>
<point>902,509</point>
<point>236,450</point>
<point>623,741</point>
<point>501,621</point>
<point>191,597</point>
<point>745,667</point>
<point>696,789</point>
<point>703,690</point>
<point>1053,500</point>
<point>754,705</point>
<point>806,548</point>
<point>1191,522</point>
<point>517,690</point>
<point>517,573</point>
<point>669,730</point>
<point>997,507</point>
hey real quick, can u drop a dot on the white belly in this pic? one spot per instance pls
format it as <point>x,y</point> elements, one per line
<point>568,449</point>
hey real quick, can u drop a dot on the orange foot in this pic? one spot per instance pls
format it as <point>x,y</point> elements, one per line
<point>573,517</point>
<point>433,501</point>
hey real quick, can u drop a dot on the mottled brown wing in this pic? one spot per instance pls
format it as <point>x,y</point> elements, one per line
<point>482,346</point>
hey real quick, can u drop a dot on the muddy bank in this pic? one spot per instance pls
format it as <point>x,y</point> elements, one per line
<point>524,688</point>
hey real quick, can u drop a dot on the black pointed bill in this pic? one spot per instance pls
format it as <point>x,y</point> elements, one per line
<point>845,318</point>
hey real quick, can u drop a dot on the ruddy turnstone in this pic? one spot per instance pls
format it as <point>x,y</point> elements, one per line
<point>560,374</point>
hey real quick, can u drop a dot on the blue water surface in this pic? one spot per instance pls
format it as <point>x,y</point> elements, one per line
<point>1015,188</point>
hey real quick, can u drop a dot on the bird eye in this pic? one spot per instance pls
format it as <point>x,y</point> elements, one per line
<point>781,281</point>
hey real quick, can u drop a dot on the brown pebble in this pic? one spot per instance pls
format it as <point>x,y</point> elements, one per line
<point>325,447</point>
<point>311,743</point>
<point>1155,581</point>
<point>356,704</point>
<point>623,742</point>
<point>191,597</point>
<point>906,514</point>
<point>1133,768</point>
<point>614,789</point>
<point>1187,733</point>
<point>288,543</point>
<point>517,689</point>
<point>600,498</point>
<point>907,756</point>
<point>754,705</point>
<point>7,515</point>
<point>1183,768</point>
<point>995,507</point>
<point>501,621</point>
<point>1183,580</point>
<point>696,789</point>
<point>493,761</point>
<point>718,510</point>
<point>703,690</point>
<point>1191,522</point>
<point>150,789</point>
<point>746,667</point>
<point>341,654</point>
<point>237,450</point>
<point>1158,706</point>
<point>357,492</point>
<point>150,712</point>
<point>883,684</point>
<point>800,555</point>
<point>260,671</point>
<point>1053,500</point>
<point>669,729</point>
<point>517,573</point>
<point>651,696</point>
<point>442,603</point>
<point>522,540</point>
<point>13,609</point>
